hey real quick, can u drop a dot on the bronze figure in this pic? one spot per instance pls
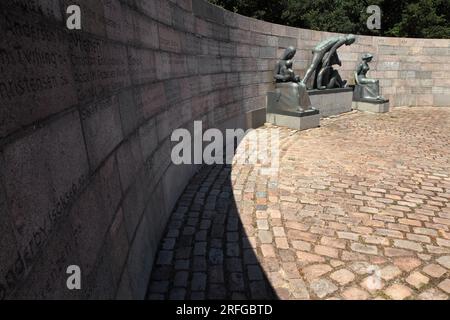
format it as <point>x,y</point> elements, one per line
<point>291,92</point>
<point>366,89</point>
<point>324,57</point>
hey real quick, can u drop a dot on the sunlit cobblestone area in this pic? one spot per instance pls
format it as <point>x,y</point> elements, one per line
<point>358,209</point>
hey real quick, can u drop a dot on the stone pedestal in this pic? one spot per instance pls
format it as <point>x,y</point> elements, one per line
<point>372,106</point>
<point>283,110</point>
<point>332,102</point>
<point>295,120</point>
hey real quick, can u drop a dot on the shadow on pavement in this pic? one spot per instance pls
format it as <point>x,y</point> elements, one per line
<point>205,252</point>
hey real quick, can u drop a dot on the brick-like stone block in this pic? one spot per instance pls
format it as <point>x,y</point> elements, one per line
<point>240,36</point>
<point>163,126</point>
<point>221,32</point>
<point>117,246</point>
<point>146,32</point>
<point>178,66</point>
<point>148,8</point>
<point>149,138</point>
<point>143,65</point>
<point>227,49</point>
<point>203,28</point>
<point>150,99</point>
<point>213,47</point>
<point>424,100</point>
<point>162,65</point>
<point>243,50</point>
<point>43,172</point>
<point>133,206</point>
<point>208,11</point>
<point>392,50</point>
<point>124,289</point>
<point>192,65</point>
<point>436,51</point>
<point>285,42</point>
<point>100,68</point>
<point>185,4</point>
<point>191,44</point>
<point>102,129</point>
<point>260,26</point>
<point>259,39</point>
<point>388,65</point>
<point>441,100</point>
<point>100,281</point>
<point>92,215</point>
<point>114,21</point>
<point>12,266</point>
<point>129,160</point>
<point>156,165</point>
<point>157,212</point>
<point>178,19</point>
<point>128,25</point>
<point>160,10</point>
<point>140,260</point>
<point>278,30</point>
<point>174,182</point>
<point>130,115</point>
<point>169,39</point>
<point>268,52</point>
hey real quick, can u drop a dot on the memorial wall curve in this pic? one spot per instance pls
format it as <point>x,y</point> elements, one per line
<point>86,118</point>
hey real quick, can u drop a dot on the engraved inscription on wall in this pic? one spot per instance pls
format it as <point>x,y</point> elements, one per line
<point>35,69</point>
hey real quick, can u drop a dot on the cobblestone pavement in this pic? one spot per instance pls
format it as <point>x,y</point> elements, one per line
<point>359,209</point>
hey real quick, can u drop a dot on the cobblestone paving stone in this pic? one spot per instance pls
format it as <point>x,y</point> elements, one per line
<point>359,209</point>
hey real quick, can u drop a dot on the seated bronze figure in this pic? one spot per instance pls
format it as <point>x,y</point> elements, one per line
<point>291,94</point>
<point>366,89</point>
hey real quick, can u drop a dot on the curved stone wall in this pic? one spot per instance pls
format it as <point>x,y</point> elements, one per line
<point>86,118</point>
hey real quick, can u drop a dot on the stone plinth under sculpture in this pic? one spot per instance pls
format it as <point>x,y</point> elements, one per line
<point>299,120</point>
<point>366,95</point>
<point>374,107</point>
<point>289,104</point>
<point>330,93</point>
<point>332,102</point>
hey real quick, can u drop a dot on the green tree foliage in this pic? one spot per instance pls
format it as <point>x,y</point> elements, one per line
<point>424,19</point>
<point>400,18</point>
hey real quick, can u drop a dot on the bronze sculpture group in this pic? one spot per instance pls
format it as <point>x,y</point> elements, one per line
<point>292,92</point>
